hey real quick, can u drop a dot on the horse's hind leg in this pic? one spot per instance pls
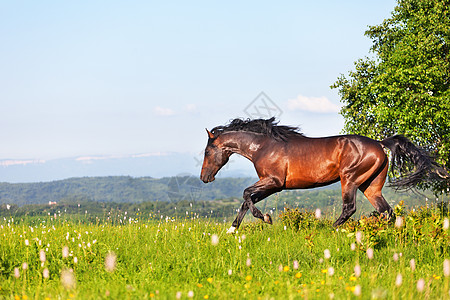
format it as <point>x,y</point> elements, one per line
<point>372,191</point>
<point>349,201</point>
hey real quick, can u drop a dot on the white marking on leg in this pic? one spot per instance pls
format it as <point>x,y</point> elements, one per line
<point>231,229</point>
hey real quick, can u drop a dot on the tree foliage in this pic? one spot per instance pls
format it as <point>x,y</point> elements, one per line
<point>404,87</point>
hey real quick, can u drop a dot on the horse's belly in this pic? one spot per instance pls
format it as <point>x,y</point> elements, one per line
<point>303,178</point>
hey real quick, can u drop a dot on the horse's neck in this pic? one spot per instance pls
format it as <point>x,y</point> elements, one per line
<point>243,143</point>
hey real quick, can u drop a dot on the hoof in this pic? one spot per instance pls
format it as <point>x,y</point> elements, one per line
<point>231,230</point>
<point>268,219</point>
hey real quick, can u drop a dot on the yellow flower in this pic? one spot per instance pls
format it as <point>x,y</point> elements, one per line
<point>352,278</point>
<point>152,295</point>
<point>16,297</point>
<point>276,282</point>
<point>25,297</point>
<point>210,280</point>
<point>206,297</point>
<point>322,282</point>
<point>199,285</point>
<point>298,275</point>
<point>324,270</point>
<point>286,268</point>
<point>248,277</point>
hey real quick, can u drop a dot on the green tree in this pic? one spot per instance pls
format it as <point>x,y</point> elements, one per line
<point>403,88</point>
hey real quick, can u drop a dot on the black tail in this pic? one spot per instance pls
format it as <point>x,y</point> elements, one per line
<point>411,165</point>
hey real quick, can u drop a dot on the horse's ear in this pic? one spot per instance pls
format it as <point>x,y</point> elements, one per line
<point>210,135</point>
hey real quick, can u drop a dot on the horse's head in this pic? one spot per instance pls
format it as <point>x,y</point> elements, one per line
<point>216,156</point>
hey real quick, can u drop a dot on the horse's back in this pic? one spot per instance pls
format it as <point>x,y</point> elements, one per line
<point>316,162</point>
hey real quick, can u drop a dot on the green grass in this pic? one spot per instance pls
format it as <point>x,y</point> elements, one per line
<point>162,258</point>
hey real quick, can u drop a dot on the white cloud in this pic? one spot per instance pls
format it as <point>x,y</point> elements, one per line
<point>190,107</point>
<point>162,111</point>
<point>313,104</point>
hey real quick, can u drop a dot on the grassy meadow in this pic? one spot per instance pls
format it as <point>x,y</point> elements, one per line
<point>154,256</point>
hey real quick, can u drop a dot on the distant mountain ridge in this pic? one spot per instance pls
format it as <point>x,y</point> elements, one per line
<point>122,189</point>
<point>155,165</point>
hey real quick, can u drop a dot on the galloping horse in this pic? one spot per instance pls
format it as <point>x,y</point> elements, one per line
<point>286,159</point>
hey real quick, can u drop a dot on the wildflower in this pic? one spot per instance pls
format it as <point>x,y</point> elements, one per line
<point>230,272</point>
<point>357,270</point>
<point>178,295</point>
<point>398,222</point>
<point>24,266</point>
<point>248,277</point>
<point>206,297</point>
<point>298,275</point>
<point>324,271</point>
<point>398,280</point>
<point>16,273</point>
<point>318,213</point>
<point>68,279</point>
<point>446,267</point>
<point>46,273</point>
<point>369,253</point>
<point>446,224</point>
<point>357,290</point>
<point>296,265</point>
<point>330,271</point>
<point>412,264</point>
<point>65,252</point>
<point>110,262</point>
<point>352,278</point>
<point>210,280</point>
<point>75,260</point>
<point>353,246</point>
<point>395,256</point>
<point>268,239</point>
<point>420,285</point>
<point>358,236</point>
<point>248,262</point>
<point>214,240</point>
<point>190,294</point>
<point>285,268</point>
<point>42,256</point>
<point>280,268</point>
<point>326,254</point>
<point>27,243</point>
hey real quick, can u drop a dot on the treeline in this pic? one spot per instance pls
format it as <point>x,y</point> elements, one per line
<point>113,198</point>
<point>122,189</point>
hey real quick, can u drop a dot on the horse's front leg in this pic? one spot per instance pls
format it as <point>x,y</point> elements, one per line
<point>253,194</point>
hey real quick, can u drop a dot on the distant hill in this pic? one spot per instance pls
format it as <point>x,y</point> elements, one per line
<point>122,189</point>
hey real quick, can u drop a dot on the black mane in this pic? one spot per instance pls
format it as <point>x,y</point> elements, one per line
<point>268,127</point>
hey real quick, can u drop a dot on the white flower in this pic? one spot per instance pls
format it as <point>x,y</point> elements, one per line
<point>24,266</point>
<point>27,243</point>
<point>446,267</point>
<point>214,239</point>
<point>412,264</point>
<point>398,222</point>
<point>65,252</point>
<point>326,254</point>
<point>357,290</point>
<point>248,262</point>
<point>46,273</point>
<point>398,280</point>
<point>369,253</point>
<point>110,262</point>
<point>16,273</point>
<point>446,224</point>
<point>330,271</point>
<point>353,246</point>
<point>318,213</point>
<point>230,272</point>
<point>296,265</point>
<point>68,279</point>
<point>357,270</point>
<point>395,256</point>
<point>178,295</point>
<point>190,294</point>
<point>42,255</point>
<point>420,285</point>
<point>358,236</point>
<point>75,260</point>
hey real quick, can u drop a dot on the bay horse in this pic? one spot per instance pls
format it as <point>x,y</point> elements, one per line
<point>286,159</point>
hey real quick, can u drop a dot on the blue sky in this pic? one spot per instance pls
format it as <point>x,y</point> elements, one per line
<point>115,77</point>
